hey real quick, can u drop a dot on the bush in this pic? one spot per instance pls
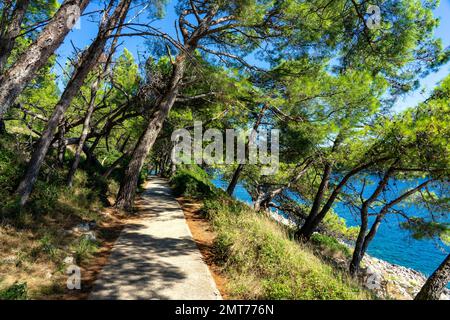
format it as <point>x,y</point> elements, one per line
<point>337,227</point>
<point>192,182</point>
<point>18,291</point>
<point>261,261</point>
<point>331,244</point>
<point>84,248</point>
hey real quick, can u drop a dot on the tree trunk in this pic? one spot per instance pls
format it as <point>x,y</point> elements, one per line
<point>62,146</point>
<point>88,62</point>
<point>235,179</point>
<point>240,167</point>
<point>83,136</point>
<point>363,240</point>
<point>114,165</point>
<point>434,286</point>
<point>306,231</point>
<point>7,39</point>
<point>2,127</point>
<point>358,251</point>
<point>128,186</point>
<point>315,216</point>
<point>15,79</point>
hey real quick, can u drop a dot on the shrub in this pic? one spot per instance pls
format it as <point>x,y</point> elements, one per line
<point>84,248</point>
<point>192,182</point>
<point>331,244</point>
<point>18,291</point>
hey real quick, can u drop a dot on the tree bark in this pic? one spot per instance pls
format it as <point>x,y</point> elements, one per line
<point>62,146</point>
<point>88,62</point>
<point>434,286</point>
<point>15,79</point>
<point>2,127</point>
<point>235,179</point>
<point>306,231</point>
<point>128,186</point>
<point>304,234</point>
<point>8,37</point>
<point>311,222</point>
<point>83,136</point>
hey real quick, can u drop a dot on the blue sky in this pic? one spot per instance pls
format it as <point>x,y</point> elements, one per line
<point>137,46</point>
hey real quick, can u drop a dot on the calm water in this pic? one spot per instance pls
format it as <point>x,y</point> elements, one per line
<point>391,243</point>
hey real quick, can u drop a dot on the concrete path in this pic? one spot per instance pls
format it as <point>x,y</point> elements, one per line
<point>156,257</point>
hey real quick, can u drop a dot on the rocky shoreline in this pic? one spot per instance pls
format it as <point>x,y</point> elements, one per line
<point>391,281</point>
<point>386,280</point>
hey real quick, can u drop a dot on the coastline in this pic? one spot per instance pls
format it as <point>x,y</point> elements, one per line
<point>385,279</point>
<point>391,281</point>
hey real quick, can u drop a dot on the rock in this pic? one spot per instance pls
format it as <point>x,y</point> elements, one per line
<point>9,260</point>
<point>69,260</point>
<point>90,236</point>
<point>82,227</point>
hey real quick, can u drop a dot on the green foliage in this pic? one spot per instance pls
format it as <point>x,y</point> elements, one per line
<point>10,167</point>
<point>83,249</point>
<point>17,291</point>
<point>422,229</point>
<point>262,262</point>
<point>331,244</point>
<point>337,226</point>
<point>192,181</point>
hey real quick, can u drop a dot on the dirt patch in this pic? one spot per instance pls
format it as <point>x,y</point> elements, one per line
<point>204,237</point>
<point>107,233</point>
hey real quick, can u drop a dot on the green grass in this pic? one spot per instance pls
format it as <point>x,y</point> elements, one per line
<point>259,258</point>
<point>331,244</point>
<point>17,291</point>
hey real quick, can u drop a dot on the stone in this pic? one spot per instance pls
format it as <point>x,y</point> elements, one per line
<point>69,260</point>
<point>82,227</point>
<point>90,236</point>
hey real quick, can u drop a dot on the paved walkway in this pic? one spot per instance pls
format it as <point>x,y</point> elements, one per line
<point>156,257</point>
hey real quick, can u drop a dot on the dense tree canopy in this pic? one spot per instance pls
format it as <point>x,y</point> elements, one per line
<point>316,70</point>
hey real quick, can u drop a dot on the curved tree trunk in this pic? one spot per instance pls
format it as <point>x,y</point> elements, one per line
<point>434,286</point>
<point>15,79</point>
<point>363,240</point>
<point>240,167</point>
<point>83,136</point>
<point>358,250</point>
<point>316,215</point>
<point>62,146</point>
<point>88,62</point>
<point>8,36</point>
<point>128,186</point>
<point>235,179</point>
<point>114,165</point>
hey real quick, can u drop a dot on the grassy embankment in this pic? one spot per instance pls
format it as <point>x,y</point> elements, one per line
<point>257,256</point>
<point>35,241</point>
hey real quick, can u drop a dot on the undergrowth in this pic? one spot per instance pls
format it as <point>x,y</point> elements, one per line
<point>257,256</point>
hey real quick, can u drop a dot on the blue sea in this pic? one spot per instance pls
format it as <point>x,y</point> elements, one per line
<point>392,243</point>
